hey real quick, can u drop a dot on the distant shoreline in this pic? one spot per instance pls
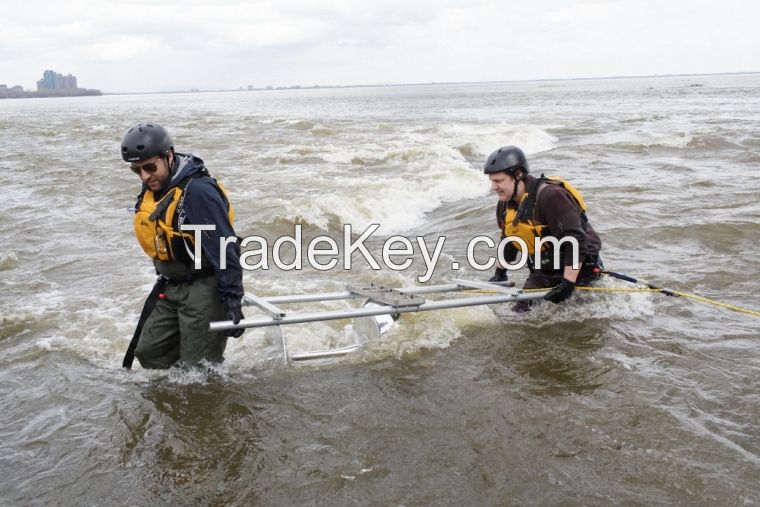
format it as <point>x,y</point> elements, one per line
<point>79,92</point>
<point>429,83</point>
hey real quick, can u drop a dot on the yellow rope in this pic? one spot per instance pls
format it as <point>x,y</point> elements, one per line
<point>602,289</point>
<point>718,303</point>
<point>617,289</point>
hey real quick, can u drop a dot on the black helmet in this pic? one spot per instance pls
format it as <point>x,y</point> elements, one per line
<point>144,141</point>
<point>506,159</point>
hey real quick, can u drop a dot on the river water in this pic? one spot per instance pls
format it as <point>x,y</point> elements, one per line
<point>613,397</point>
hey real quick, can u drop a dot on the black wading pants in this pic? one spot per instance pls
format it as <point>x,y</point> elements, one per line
<point>177,328</point>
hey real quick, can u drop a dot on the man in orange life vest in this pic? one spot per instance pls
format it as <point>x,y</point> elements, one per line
<point>530,208</point>
<point>177,190</point>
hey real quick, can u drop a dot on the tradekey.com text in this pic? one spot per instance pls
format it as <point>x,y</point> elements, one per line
<point>323,252</point>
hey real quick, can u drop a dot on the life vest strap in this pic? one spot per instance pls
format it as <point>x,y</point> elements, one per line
<point>161,207</point>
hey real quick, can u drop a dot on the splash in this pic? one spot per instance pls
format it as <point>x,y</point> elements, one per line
<point>587,306</point>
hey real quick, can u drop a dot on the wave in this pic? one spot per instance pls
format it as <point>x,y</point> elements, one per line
<point>752,157</point>
<point>712,142</point>
<point>475,140</point>
<point>396,203</point>
<point>640,141</point>
<point>704,229</point>
<point>8,260</point>
<point>644,138</point>
<point>393,176</point>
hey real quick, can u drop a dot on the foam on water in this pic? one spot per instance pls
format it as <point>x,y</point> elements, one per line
<point>432,330</point>
<point>396,204</point>
<point>588,305</point>
<point>392,180</point>
<point>477,141</point>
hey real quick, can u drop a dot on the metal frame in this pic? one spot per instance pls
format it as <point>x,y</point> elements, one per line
<point>380,301</point>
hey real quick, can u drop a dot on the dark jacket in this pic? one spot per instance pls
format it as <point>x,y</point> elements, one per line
<point>203,203</point>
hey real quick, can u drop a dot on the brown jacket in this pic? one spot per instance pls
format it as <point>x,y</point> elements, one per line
<point>556,208</point>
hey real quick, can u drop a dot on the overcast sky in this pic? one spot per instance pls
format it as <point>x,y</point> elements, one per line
<point>162,45</point>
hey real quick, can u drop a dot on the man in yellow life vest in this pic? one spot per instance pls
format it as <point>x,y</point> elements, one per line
<point>544,208</point>
<point>177,190</point>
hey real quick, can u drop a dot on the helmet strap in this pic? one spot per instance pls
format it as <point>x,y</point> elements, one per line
<point>170,165</point>
<point>517,182</point>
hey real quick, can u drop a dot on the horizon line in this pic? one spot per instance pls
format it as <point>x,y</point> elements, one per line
<point>428,83</point>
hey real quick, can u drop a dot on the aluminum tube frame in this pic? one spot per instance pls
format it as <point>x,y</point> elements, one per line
<point>304,317</point>
<point>336,296</point>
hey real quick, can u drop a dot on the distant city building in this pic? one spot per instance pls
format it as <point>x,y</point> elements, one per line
<point>12,92</point>
<point>52,84</point>
<point>51,80</point>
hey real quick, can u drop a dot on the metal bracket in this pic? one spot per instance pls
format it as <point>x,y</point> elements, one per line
<point>277,313</point>
<point>387,296</point>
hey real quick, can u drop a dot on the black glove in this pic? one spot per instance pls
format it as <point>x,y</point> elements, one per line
<point>499,276</point>
<point>561,291</point>
<point>234,313</point>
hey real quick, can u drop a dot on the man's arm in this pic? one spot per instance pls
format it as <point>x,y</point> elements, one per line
<point>204,205</point>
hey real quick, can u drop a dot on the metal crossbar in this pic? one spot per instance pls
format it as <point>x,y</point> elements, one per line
<point>275,312</point>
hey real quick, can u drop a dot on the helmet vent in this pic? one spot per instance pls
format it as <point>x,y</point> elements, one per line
<point>140,147</point>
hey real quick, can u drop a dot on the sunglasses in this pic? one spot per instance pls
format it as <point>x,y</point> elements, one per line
<point>148,168</point>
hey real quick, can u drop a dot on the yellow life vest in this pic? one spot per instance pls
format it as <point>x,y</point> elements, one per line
<point>157,225</point>
<point>519,222</point>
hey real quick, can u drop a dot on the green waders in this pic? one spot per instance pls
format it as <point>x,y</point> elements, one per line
<point>177,328</point>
